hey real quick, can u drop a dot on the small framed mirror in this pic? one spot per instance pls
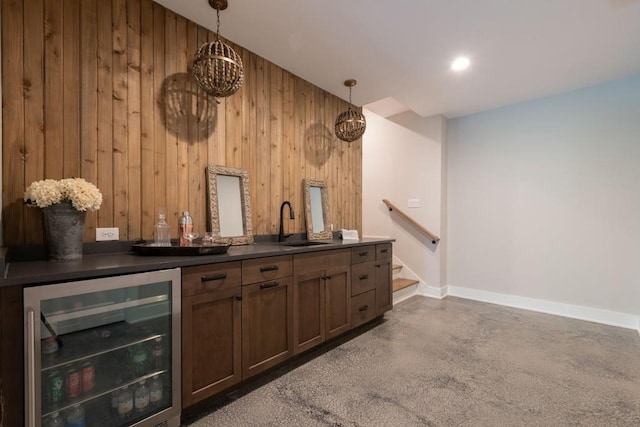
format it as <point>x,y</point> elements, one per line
<point>229,205</point>
<point>316,204</point>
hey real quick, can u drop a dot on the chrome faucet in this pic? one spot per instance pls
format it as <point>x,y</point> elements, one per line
<point>292,215</point>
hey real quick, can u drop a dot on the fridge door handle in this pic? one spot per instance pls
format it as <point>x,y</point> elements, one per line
<point>31,369</point>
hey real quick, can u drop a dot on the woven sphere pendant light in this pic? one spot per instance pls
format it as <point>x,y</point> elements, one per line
<point>351,124</point>
<point>217,68</point>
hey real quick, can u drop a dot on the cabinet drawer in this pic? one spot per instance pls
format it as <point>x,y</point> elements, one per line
<point>261,269</point>
<point>363,277</point>
<point>383,251</point>
<point>363,254</point>
<point>363,308</point>
<point>315,261</point>
<point>210,277</point>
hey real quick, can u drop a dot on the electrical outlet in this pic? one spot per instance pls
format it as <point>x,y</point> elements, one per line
<point>103,234</point>
<point>413,203</point>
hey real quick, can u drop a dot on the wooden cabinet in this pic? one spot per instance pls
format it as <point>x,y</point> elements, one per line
<point>371,286</point>
<point>384,288</point>
<point>211,328</point>
<point>267,322</point>
<point>322,291</point>
<point>267,313</point>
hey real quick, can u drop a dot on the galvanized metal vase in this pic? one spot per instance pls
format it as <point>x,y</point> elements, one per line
<point>63,228</point>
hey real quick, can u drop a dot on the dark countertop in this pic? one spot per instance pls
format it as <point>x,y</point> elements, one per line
<point>96,265</point>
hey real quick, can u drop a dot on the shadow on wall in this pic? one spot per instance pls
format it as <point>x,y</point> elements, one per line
<point>318,144</point>
<point>190,112</point>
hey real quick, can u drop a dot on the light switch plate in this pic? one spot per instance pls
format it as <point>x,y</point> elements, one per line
<point>414,203</point>
<point>103,234</point>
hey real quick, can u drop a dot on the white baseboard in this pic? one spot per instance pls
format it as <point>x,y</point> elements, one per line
<point>431,291</point>
<point>613,318</point>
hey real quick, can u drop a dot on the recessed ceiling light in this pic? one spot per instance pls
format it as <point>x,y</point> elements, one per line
<point>460,63</point>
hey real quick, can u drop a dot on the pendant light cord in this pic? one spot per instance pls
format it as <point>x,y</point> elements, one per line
<point>218,28</point>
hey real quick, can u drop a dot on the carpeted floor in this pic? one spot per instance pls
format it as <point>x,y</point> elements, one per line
<point>456,362</point>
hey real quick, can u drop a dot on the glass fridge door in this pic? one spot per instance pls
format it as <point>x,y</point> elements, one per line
<point>104,352</point>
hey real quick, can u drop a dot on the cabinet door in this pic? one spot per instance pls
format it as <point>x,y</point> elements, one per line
<point>337,289</point>
<point>309,297</point>
<point>211,359</point>
<point>267,322</point>
<point>384,292</point>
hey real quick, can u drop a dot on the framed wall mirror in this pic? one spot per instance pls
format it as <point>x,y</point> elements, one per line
<point>316,204</point>
<point>229,205</point>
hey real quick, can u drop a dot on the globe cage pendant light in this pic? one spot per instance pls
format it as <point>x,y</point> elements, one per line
<point>351,124</point>
<point>217,68</point>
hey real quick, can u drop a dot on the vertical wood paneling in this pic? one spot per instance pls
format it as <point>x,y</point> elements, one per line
<point>120,118</point>
<point>104,92</point>
<point>53,97</point>
<point>134,143</point>
<point>13,122</point>
<point>71,83</point>
<point>34,110</point>
<point>147,108</point>
<point>105,112</point>
<point>159,136</point>
<point>89,105</point>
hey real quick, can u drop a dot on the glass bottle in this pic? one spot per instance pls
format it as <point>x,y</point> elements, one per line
<point>186,228</point>
<point>162,231</point>
<point>156,353</point>
<point>75,417</point>
<point>139,360</point>
<point>155,391</point>
<point>141,397</point>
<point>55,420</point>
<point>125,403</point>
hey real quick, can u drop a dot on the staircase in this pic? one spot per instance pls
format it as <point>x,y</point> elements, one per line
<point>403,287</point>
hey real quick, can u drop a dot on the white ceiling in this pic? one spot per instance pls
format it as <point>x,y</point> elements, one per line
<point>400,50</point>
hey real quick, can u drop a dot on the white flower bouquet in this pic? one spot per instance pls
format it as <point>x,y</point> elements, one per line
<point>82,194</point>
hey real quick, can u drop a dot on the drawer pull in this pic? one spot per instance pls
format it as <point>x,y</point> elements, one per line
<point>269,268</point>
<point>364,277</point>
<point>269,285</point>
<point>384,251</point>
<point>326,277</point>
<point>220,276</point>
<point>363,253</point>
<point>364,308</point>
<point>238,297</point>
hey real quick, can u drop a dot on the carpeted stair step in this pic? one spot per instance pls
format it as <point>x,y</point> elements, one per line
<point>403,283</point>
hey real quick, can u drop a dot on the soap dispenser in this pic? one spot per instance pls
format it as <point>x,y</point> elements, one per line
<point>162,231</point>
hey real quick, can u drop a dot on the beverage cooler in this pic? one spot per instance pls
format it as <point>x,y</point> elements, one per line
<point>104,352</point>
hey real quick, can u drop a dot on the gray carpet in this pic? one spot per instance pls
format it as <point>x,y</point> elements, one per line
<point>457,363</point>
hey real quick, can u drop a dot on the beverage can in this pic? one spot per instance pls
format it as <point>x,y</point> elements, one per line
<point>55,386</point>
<point>88,377</point>
<point>72,382</point>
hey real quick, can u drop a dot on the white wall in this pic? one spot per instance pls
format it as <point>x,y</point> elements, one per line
<point>401,161</point>
<point>544,201</point>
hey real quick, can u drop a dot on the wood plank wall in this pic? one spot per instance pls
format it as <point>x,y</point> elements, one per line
<point>100,89</point>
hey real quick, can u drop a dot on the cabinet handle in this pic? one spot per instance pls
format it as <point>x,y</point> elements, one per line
<point>384,251</point>
<point>378,265</point>
<point>364,277</point>
<point>31,368</point>
<point>326,277</point>
<point>220,276</point>
<point>269,285</point>
<point>238,297</point>
<point>363,253</point>
<point>269,268</point>
<point>364,308</point>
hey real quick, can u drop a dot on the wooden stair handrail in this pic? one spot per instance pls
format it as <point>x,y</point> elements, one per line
<point>434,239</point>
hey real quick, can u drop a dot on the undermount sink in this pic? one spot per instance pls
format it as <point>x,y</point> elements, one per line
<point>304,243</point>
